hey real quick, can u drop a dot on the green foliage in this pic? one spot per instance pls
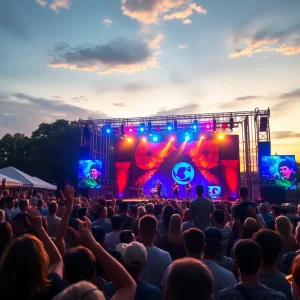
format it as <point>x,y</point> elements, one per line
<point>51,153</point>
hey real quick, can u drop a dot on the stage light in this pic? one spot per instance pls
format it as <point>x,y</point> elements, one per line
<point>214,125</point>
<point>142,127</point>
<point>129,140</point>
<point>202,137</point>
<point>157,128</point>
<point>144,139</point>
<point>107,130</point>
<point>195,125</point>
<point>187,138</point>
<point>155,139</point>
<point>207,126</point>
<point>231,124</point>
<point>172,138</point>
<point>169,126</point>
<point>130,129</point>
<point>224,125</point>
<point>220,136</point>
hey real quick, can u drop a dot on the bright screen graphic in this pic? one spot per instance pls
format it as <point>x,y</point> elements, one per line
<point>281,169</point>
<point>169,162</point>
<point>214,191</point>
<point>89,174</point>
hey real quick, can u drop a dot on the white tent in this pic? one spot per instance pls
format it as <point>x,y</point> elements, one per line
<point>27,180</point>
<point>10,181</point>
<point>48,185</point>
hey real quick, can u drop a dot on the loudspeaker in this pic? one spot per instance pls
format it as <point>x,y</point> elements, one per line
<point>273,194</point>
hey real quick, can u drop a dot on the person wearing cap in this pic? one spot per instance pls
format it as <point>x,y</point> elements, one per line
<point>134,256</point>
<point>213,247</point>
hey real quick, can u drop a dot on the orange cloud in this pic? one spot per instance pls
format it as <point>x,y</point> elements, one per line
<point>42,2</point>
<point>187,22</point>
<point>149,12</point>
<point>58,4</point>
<point>107,22</point>
<point>154,43</point>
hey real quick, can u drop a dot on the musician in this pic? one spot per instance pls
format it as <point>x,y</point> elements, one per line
<point>188,188</point>
<point>287,175</point>
<point>159,188</point>
<point>175,190</point>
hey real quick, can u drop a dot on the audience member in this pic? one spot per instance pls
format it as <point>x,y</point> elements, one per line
<point>157,211</point>
<point>23,207</point>
<point>188,222</point>
<point>99,235</point>
<point>163,225</point>
<point>52,220</point>
<point>126,237</point>
<point>189,278</point>
<point>133,211</point>
<point>276,212</point>
<point>157,259</point>
<point>9,207</point>
<point>101,221</point>
<point>201,209</point>
<point>264,211</point>
<point>113,238</point>
<point>248,258</point>
<point>135,258</point>
<point>173,241</point>
<point>271,244</point>
<point>284,228</point>
<point>149,208</point>
<point>288,258</point>
<point>126,220</point>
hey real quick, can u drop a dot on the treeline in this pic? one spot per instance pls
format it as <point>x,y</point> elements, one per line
<point>51,153</point>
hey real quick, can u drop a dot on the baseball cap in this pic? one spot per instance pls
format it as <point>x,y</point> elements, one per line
<point>134,254</point>
<point>213,239</point>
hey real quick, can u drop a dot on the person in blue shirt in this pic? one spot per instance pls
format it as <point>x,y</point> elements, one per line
<point>135,258</point>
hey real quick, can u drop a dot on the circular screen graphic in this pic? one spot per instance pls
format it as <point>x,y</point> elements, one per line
<point>183,172</point>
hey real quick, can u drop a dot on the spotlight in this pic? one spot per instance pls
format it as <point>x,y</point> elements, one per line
<point>224,125</point>
<point>221,137</point>
<point>187,138</point>
<point>157,128</point>
<point>130,129</point>
<point>154,139</point>
<point>207,126</point>
<point>172,138</point>
<point>202,137</point>
<point>129,140</point>
<point>108,130</point>
<point>144,139</point>
<point>195,125</point>
<point>169,126</point>
<point>142,127</point>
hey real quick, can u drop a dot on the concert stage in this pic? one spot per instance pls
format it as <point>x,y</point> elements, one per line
<point>133,154</point>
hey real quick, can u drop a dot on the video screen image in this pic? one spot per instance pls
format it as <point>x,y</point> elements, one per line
<point>214,191</point>
<point>89,174</point>
<point>281,169</point>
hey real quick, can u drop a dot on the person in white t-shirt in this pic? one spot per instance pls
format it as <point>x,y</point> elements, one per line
<point>157,260</point>
<point>112,239</point>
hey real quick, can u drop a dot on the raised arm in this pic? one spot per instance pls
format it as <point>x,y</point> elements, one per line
<point>64,222</point>
<point>227,215</point>
<point>112,268</point>
<point>35,222</point>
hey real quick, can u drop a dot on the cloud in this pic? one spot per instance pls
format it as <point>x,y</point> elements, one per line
<point>42,2</point>
<point>120,104</point>
<point>187,21</point>
<point>57,5</point>
<point>185,13</point>
<point>267,40</point>
<point>118,56</point>
<point>107,22</point>
<point>182,110</point>
<point>55,97</point>
<point>154,43</point>
<point>245,98</point>
<point>21,112</point>
<point>293,94</point>
<point>151,11</point>
<point>183,46</point>
<point>285,135</point>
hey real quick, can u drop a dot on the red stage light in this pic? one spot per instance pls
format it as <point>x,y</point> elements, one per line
<point>224,125</point>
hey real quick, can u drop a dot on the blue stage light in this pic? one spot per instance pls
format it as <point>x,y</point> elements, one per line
<point>107,130</point>
<point>155,139</point>
<point>187,138</point>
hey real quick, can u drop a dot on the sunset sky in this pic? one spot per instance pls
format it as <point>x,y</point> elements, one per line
<point>75,59</point>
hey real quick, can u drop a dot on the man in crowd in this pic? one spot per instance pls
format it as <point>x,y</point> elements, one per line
<point>189,278</point>
<point>113,238</point>
<point>123,211</point>
<point>248,259</point>
<point>52,220</point>
<point>149,208</point>
<point>201,210</point>
<point>135,258</point>
<point>188,222</point>
<point>276,212</point>
<point>157,259</point>
<point>101,221</point>
<point>23,207</point>
<point>9,207</point>
<point>271,244</point>
<point>264,211</point>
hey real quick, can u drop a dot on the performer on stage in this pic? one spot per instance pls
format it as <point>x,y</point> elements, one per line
<point>175,190</point>
<point>159,188</point>
<point>188,188</point>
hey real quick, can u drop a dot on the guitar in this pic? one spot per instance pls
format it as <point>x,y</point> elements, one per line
<point>188,189</point>
<point>176,188</point>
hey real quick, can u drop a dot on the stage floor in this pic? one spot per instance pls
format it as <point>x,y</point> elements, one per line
<point>137,200</point>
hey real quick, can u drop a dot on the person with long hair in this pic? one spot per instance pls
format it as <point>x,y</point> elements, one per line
<point>31,267</point>
<point>284,227</point>
<point>173,241</point>
<point>163,224</point>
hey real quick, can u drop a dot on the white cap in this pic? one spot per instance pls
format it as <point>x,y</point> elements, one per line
<point>134,254</point>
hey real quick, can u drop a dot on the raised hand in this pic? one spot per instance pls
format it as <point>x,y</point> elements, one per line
<point>223,205</point>
<point>35,221</point>
<point>69,196</point>
<point>62,196</point>
<point>85,236</point>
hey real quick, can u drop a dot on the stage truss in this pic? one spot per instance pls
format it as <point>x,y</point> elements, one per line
<point>248,124</point>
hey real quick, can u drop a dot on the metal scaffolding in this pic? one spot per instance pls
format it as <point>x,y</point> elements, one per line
<point>246,123</point>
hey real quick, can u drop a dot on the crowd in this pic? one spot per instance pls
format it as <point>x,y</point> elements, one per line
<point>78,248</point>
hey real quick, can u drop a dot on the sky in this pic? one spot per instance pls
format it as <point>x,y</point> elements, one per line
<point>76,59</point>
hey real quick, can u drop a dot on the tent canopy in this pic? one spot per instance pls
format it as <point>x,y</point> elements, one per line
<point>27,180</point>
<point>11,181</point>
